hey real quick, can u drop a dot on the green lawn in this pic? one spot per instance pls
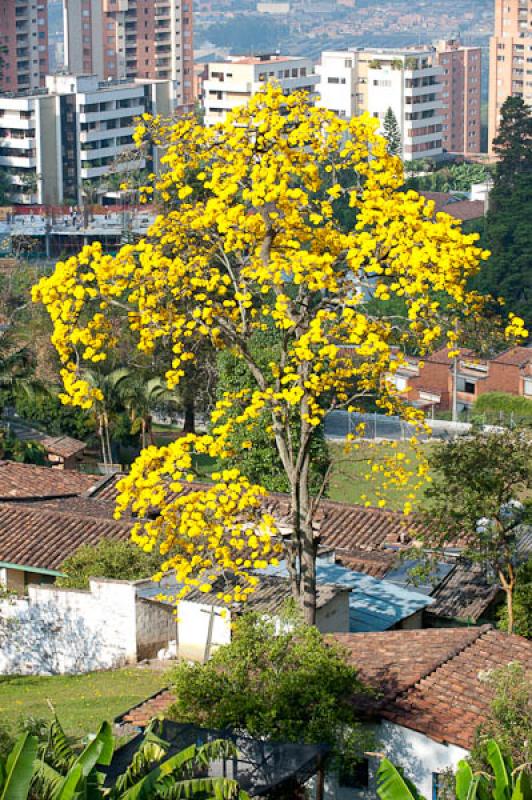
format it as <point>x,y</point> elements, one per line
<point>347,478</point>
<point>81,701</point>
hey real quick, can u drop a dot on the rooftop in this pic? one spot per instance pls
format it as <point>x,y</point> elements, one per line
<point>26,481</point>
<point>431,679</point>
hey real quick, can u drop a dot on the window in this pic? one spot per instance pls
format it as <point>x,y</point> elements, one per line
<point>463,385</point>
<point>355,776</point>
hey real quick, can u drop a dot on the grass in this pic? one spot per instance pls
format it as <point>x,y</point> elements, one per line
<point>348,483</point>
<point>81,701</point>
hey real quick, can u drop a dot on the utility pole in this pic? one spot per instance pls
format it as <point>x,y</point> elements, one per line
<point>455,404</point>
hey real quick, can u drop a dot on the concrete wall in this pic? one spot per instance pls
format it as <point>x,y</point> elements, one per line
<point>334,617</point>
<point>56,631</point>
<point>193,623</point>
<point>156,626</point>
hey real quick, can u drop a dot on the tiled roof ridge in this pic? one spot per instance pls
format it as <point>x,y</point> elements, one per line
<point>31,506</point>
<point>440,662</point>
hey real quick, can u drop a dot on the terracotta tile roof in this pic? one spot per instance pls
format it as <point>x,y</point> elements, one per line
<point>376,563</point>
<point>459,209</point>
<point>28,481</point>
<point>141,715</point>
<point>344,526</point>
<point>63,446</point>
<point>466,594</point>
<point>516,356</point>
<point>431,678</point>
<point>36,536</point>
<point>393,661</point>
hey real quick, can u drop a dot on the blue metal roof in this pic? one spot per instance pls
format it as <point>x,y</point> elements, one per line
<point>374,605</point>
<point>401,575</point>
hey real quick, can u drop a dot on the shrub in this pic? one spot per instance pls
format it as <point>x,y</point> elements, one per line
<point>504,406</point>
<point>108,559</point>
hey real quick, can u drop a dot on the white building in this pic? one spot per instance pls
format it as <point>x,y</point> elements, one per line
<point>407,81</point>
<point>53,140</point>
<point>230,84</point>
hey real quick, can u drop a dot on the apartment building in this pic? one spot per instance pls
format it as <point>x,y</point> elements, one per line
<point>231,83</point>
<point>24,43</point>
<point>55,139</point>
<point>429,383</point>
<point>461,82</point>
<point>510,58</point>
<point>118,39</point>
<point>407,81</point>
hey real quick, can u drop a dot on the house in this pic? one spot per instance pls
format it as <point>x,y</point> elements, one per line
<point>36,537</point>
<point>204,621</point>
<point>30,482</point>
<point>429,383</point>
<point>62,452</point>
<point>432,696</point>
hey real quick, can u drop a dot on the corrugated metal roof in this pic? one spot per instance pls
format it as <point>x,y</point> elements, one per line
<point>374,605</point>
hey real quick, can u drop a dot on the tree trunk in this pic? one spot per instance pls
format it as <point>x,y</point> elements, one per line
<point>189,424</point>
<point>508,584</point>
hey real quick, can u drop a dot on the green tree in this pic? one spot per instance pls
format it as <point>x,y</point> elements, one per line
<point>392,134</point>
<point>50,414</point>
<point>522,602</point>
<point>510,717</point>
<point>474,500</point>
<point>283,682</point>
<point>508,231</point>
<point>108,559</point>
<point>262,463</point>
<point>25,452</point>
<point>140,394</point>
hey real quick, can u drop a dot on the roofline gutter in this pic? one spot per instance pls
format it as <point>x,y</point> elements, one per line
<point>27,568</point>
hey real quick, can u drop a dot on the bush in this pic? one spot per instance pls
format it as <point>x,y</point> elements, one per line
<point>282,682</point>
<point>504,407</point>
<point>49,413</point>
<point>108,559</point>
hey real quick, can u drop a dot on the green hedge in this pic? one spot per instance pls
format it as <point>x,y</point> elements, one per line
<point>496,404</point>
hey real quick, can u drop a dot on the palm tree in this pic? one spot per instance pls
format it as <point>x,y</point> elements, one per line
<point>140,394</point>
<point>109,386</point>
<point>16,372</point>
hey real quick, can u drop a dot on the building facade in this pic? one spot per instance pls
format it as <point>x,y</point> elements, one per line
<point>510,67</point>
<point>117,39</point>
<point>406,81</point>
<point>75,130</point>
<point>461,82</point>
<point>24,43</point>
<point>229,84</point>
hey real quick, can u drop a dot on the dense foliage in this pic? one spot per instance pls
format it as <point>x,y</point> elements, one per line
<point>510,718</point>
<point>508,409</point>
<point>51,415</point>
<point>283,682</point>
<point>474,500</point>
<point>121,560</point>
<point>507,274</point>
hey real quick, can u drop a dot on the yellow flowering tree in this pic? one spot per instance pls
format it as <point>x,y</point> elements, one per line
<point>249,243</point>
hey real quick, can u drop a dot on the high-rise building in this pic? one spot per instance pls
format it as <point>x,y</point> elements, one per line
<point>510,58</point>
<point>461,80</point>
<point>78,129</point>
<point>24,44</point>
<point>406,81</point>
<point>116,39</point>
<point>231,83</point>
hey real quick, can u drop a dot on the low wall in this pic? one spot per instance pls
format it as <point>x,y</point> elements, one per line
<point>57,631</point>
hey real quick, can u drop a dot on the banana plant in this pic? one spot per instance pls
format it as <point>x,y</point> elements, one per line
<point>17,770</point>
<point>61,774</point>
<point>506,783</point>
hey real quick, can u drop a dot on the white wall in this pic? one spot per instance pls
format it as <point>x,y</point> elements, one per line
<point>418,754</point>
<point>334,617</point>
<point>193,629</point>
<point>56,631</point>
